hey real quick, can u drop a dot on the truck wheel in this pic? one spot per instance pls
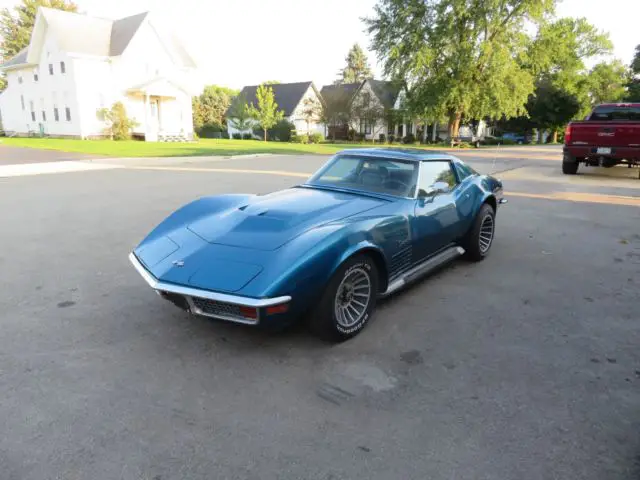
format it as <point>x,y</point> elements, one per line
<point>569,165</point>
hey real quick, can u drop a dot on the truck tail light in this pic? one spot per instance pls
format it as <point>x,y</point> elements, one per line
<point>567,135</point>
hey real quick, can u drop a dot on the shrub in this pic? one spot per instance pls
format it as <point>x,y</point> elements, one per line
<point>237,136</point>
<point>392,138</point>
<point>281,131</point>
<point>315,138</point>
<point>225,135</point>
<point>304,138</point>
<point>382,138</point>
<point>247,136</point>
<point>211,130</point>
<point>410,138</point>
<point>351,135</point>
<point>120,125</point>
<point>507,141</point>
<point>359,137</point>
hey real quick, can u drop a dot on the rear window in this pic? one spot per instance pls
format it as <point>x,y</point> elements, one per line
<point>615,113</point>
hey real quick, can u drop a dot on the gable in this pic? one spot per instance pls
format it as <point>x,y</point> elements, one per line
<point>287,95</point>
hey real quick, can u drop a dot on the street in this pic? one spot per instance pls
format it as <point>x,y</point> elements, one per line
<point>524,366</point>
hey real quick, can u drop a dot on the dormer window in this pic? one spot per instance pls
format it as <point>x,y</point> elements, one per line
<point>63,68</point>
<point>35,74</point>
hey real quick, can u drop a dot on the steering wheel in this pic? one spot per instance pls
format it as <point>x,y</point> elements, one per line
<point>394,181</point>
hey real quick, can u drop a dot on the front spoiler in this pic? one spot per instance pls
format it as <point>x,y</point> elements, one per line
<point>189,293</point>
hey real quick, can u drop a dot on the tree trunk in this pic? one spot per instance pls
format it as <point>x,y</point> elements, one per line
<point>555,135</point>
<point>434,132</point>
<point>454,124</point>
<point>265,134</point>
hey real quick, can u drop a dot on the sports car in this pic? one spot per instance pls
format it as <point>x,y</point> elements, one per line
<point>367,223</point>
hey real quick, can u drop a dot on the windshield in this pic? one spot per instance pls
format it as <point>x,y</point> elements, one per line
<point>370,174</point>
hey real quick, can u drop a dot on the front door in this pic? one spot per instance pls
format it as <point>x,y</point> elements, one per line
<point>436,215</point>
<point>153,124</point>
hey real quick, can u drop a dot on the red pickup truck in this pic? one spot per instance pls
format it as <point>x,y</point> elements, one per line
<point>609,136</point>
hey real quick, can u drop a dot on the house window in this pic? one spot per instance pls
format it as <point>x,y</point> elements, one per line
<point>365,127</point>
<point>67,109</point>
<point>44,113</point>
<point>63,68</point>
<point>32,109</point>
<point>51,69</point>
<point>56,112</point>
<point>20,78</point>
<point>35,74</point>
<point>22,101</point>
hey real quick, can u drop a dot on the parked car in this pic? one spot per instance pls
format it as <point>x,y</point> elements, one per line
<point>609,136</point>
<point>368,223</point>
<point>519,138</point>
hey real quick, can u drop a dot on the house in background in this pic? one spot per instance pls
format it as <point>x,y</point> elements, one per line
<point>76,65</point>
<point>291,98</point>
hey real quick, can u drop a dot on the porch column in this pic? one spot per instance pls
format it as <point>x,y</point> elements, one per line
<point>433,132</point>
<point>146,116</point>
<point>424,131</point>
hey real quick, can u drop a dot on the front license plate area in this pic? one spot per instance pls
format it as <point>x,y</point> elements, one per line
<point>603,151</point>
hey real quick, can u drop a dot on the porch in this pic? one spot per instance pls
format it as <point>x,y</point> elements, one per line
<point>162,111</point>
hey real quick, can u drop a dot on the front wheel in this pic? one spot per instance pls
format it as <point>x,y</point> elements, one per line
<point>480,238</point>
<point>348,301</point>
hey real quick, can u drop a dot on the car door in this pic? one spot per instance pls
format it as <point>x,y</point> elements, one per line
<point>436,219</point>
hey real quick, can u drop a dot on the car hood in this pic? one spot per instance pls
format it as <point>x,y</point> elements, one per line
<point>269,221</point>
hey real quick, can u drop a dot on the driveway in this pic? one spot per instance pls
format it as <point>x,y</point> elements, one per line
<point>18,155</point>
<point>524,366</point>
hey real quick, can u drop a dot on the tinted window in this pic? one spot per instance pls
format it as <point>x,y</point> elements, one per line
<point>464,170</point>
<point>615,113</point>
<point>432,172</point>
<point>380,175</point>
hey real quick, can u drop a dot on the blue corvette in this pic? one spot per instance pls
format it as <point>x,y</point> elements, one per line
<point>366,224</point>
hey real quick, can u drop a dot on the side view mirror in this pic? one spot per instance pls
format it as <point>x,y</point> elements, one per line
<point>433,190</point>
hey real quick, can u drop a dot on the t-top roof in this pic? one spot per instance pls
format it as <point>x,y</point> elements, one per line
<point>410,154</point>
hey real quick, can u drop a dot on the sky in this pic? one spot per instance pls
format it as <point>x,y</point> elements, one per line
<point>246,42</point>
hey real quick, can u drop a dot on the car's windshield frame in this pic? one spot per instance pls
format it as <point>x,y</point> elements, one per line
<point>313,181</point>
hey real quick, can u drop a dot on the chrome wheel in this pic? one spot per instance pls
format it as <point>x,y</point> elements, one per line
<point>486,233</point>
<point>352,297</point>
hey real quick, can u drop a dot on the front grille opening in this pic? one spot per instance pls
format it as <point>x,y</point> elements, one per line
<point>224,310</point>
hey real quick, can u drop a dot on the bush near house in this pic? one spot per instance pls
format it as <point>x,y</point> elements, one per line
<point>382,138</point>
<point>247,136</point>
<point>410,138</point>
<point>237,136</point>
<point>316,138</point>
<point>119,125</point>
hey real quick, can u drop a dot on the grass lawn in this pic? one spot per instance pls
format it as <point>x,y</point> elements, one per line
<point>160,149</point>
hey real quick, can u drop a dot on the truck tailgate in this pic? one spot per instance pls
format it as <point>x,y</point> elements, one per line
<point>605,134</point>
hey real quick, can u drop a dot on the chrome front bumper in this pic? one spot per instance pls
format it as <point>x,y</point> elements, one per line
<point>207,303</point>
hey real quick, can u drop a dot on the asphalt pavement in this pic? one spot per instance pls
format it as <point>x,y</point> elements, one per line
<point>524,366</point>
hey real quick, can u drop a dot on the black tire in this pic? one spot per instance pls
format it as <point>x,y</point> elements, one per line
<point>569,165</point>
<point>474,243</point>
<point>324,321</point>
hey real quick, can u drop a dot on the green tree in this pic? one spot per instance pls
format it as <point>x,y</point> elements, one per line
<point>336,109</point>
<point>3,83</point>
<point>558,54</point>
<point>311,111</point>
<point>551,107</point>
<point>210,107</point>
<point>357,68</point>
<point>370,113</point>
<point>607,82</point>
<point>633,87</point>
<point>266,113</point>
<point>119,126</point>
<point>16,24</point>
<point>458,57</point>
<point>240,114</point>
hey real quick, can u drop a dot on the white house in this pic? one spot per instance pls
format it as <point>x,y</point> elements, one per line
<point>294,99</point>
<point>75,65</point>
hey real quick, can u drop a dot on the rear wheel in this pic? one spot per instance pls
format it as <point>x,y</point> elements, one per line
<point>569,165</point>
<point>480,238</point>
<point>348,301</point>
